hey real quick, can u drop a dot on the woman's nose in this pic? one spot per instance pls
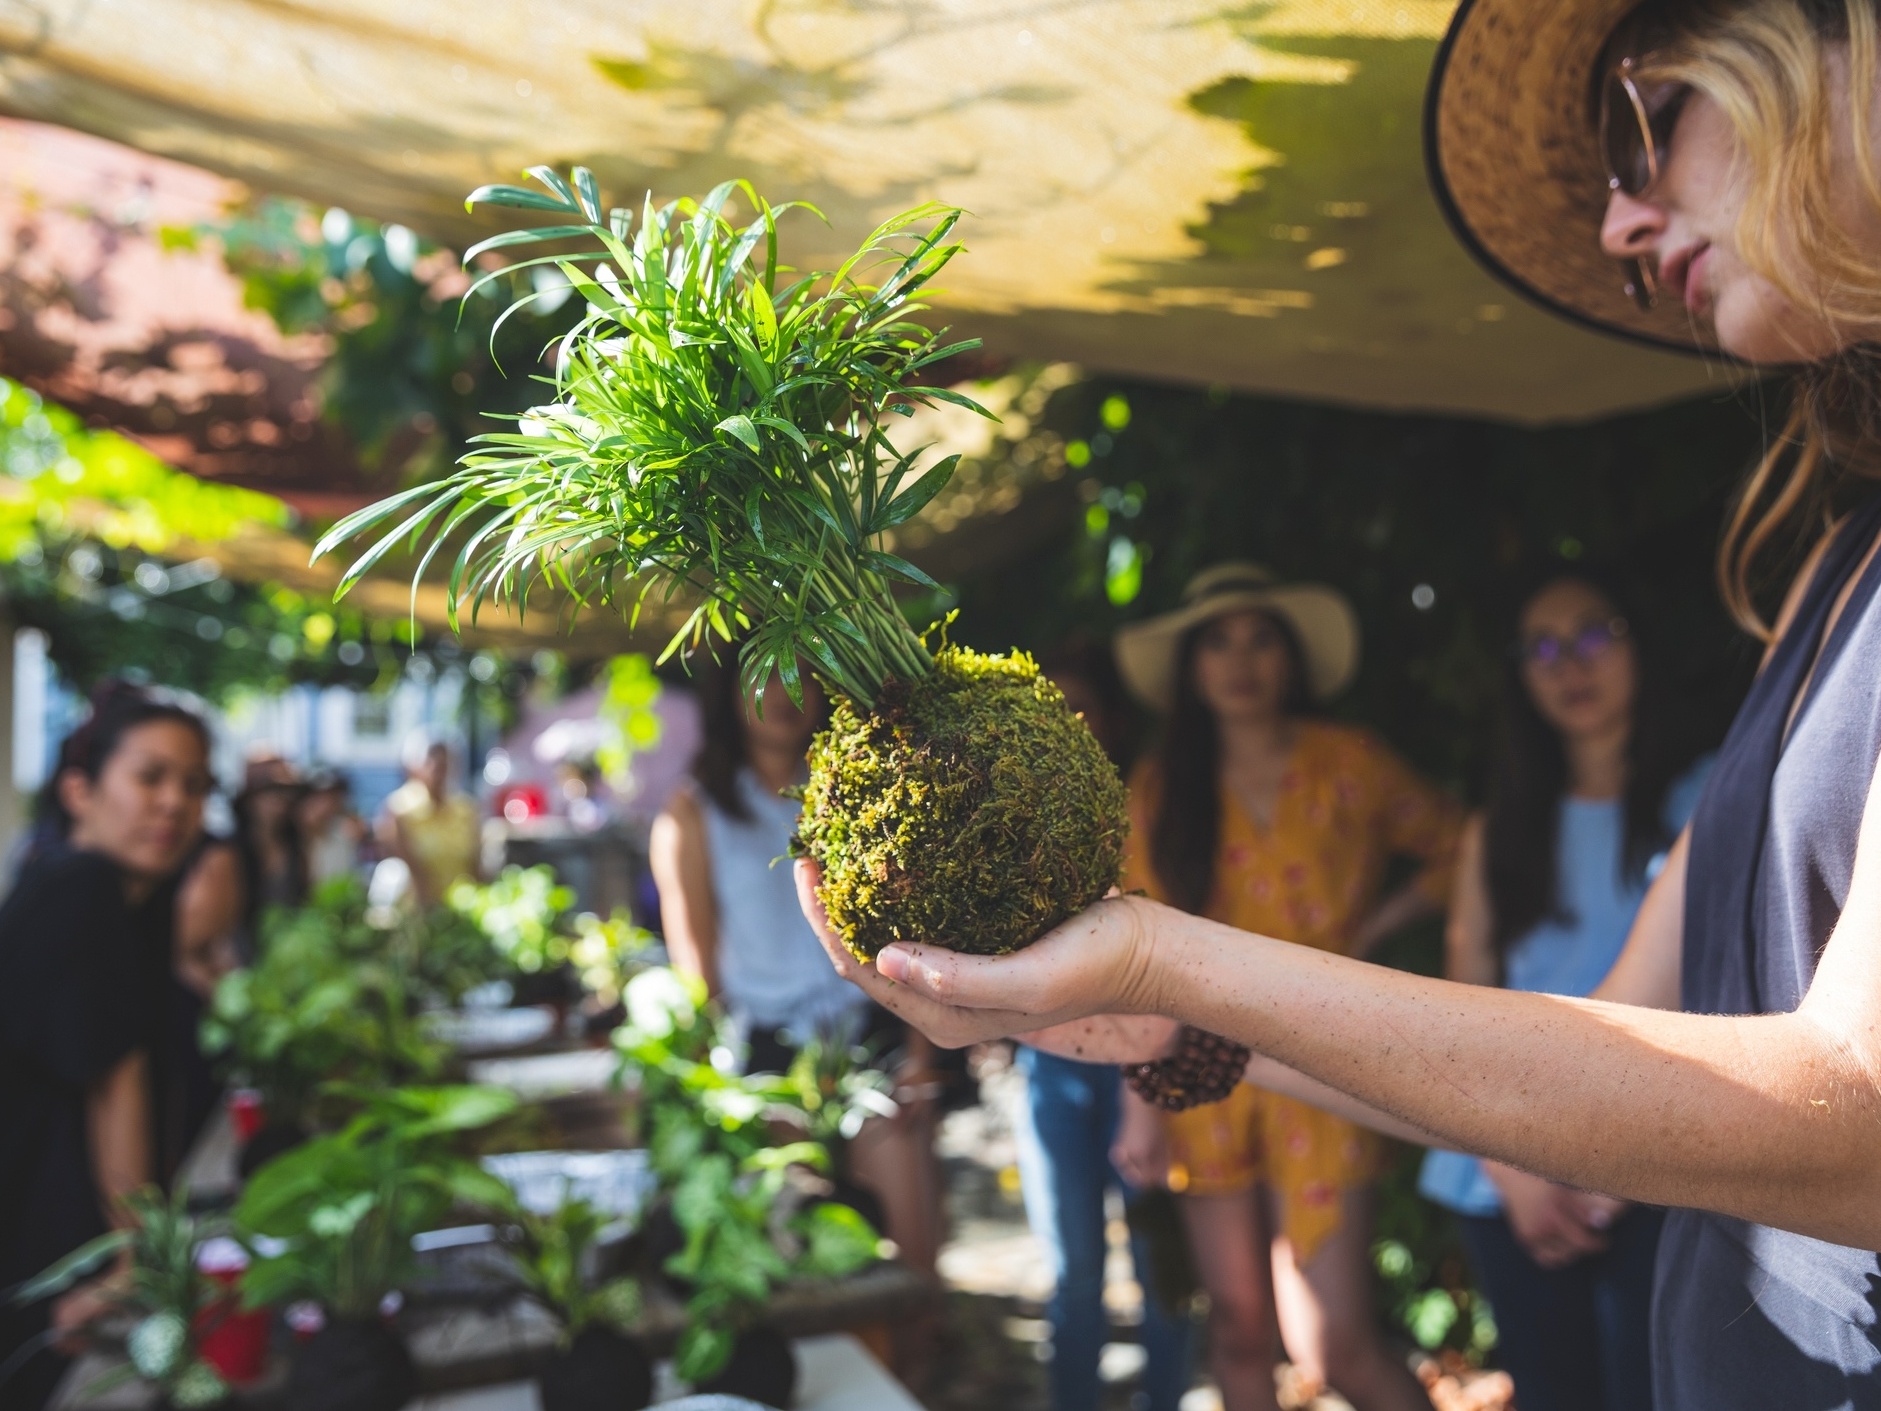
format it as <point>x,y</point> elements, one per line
<point>1632,227</point>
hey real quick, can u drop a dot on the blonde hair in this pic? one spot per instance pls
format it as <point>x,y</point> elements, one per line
<point>1768,65</point>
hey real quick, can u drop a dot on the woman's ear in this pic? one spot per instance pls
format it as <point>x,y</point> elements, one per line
<point>74,793</point>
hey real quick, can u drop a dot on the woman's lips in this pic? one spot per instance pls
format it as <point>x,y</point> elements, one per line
<point>1695,269</point>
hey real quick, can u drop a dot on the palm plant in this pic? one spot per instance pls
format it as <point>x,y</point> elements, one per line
<point>164,1291</point>
<point>718,433</point>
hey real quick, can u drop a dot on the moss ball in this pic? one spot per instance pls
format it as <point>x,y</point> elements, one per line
<point>971,809</point>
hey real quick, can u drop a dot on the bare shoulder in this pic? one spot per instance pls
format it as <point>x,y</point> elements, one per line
<point>683,817</point>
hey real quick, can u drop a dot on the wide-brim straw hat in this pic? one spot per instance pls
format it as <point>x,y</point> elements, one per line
<point>1320,617</point>
<point>1511,140</point>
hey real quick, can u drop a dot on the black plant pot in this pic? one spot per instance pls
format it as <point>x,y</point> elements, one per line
<point>271,1141</point>
<point>352,1364</point>
<point>763,1368</point>
<point>602,1371</point>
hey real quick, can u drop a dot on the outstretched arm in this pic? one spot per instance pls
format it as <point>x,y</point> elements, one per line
<point>1772,1118</point>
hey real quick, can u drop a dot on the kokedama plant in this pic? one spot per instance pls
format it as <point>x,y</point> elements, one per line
<point>165,1292</point>
<point>718,432</point>
<point>333,1221</point>
<point>744,1215</point>
<point>596,1366</point>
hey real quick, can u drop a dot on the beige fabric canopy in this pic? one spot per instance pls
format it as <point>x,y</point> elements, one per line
<point>1184,189</point>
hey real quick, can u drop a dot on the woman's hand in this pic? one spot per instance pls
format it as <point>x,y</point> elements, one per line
<point>1141,1151</point>
<point>1096,963</point>
<point>1556,1224</point>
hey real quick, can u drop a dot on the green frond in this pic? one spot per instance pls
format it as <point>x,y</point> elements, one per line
<point>708,429</point>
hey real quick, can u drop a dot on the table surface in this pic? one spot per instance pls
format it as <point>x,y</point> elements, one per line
<point>836,1373</point>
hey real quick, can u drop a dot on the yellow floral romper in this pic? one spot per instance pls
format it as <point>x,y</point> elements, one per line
<point>1346,806</point>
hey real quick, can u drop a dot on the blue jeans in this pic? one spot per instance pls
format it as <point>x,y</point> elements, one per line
<point>1574,1339</point>
<point>1069,1122</point>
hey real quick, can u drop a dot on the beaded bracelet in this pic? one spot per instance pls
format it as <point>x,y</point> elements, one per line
<point>1204,1068</point>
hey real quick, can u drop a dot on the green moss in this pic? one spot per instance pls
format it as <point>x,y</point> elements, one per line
<point>970,809</point>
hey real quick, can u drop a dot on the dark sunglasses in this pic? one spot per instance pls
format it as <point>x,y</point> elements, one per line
<point>1590,643</point>
<point>1636,123</point>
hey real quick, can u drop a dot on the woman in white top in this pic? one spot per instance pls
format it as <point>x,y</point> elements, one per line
<point>728,907</point>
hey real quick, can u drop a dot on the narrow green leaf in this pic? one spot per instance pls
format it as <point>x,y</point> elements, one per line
<point>899,567</point>
<point>740,426</point>
<point>519,196</point>
<point>914,499</point>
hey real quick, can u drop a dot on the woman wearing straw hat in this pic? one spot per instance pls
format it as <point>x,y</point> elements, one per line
<point>1703,176</point>
<point>1257,815</point>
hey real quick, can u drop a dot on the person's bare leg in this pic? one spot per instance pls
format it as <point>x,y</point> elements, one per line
<point>1327,1323</point>
<point>1229,1242</point>
<point>894,1158</point>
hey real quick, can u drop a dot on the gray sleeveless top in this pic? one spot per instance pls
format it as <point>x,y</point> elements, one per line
<point>772,969</point>
<point>1747,1318</point>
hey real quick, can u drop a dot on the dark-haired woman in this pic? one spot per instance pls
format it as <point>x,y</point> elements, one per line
<point>728,912</point>
<point>1721,193</point>
<point>1587,794</point>
<point>1253,813</point>
<point>85,961</point>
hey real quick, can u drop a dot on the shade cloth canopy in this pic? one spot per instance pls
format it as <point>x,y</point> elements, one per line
<point>1186,189</point>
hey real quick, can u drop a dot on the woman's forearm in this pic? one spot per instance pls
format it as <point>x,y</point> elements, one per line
<point>118,1121</point>
<point>1771,1118</point>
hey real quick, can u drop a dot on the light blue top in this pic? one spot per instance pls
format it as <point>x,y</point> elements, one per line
<point>771,967</point>
<point>1570,954</point>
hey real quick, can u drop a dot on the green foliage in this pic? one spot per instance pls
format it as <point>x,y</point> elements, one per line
<point>552,1251</point>
<point>520,913</point>
<point>166,1292</point>
<point>738,1249</point>
<point>332,998</point>
<point>412,370</point>
<point>972,808</point>
<point>339,1212</point>
<point>835,1087</point>
<point>630,693</point>
<point>524,914</point>
<point>734,1189</point>
<point>716,430</point>
<point>90,528</point>
<point>1423,1276</point>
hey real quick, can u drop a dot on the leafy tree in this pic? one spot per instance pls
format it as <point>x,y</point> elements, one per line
<point>91,528</point>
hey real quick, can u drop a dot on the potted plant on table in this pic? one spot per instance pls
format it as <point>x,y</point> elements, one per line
<point>719,432</point>
<point>745,1213</point>
<point>332,1221</point>
<point>330,1000</point>
<point>171,1302</point>
<point>597,1365</point>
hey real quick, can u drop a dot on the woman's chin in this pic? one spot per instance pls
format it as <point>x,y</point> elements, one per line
<point>1762,328</point>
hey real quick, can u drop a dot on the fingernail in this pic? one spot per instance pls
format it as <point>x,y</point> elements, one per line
<point>893,963</point>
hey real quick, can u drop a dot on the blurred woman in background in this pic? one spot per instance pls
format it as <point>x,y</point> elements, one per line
<point>1255,814</point>
<point>1065,1131</point>
<point>429,825</point>
<point>729,914</point>
<point>86,963</point>
<point>1588,792</point>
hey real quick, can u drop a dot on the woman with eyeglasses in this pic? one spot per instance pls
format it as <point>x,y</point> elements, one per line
<point>1588,788</point>
<point>1730,1064</point>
